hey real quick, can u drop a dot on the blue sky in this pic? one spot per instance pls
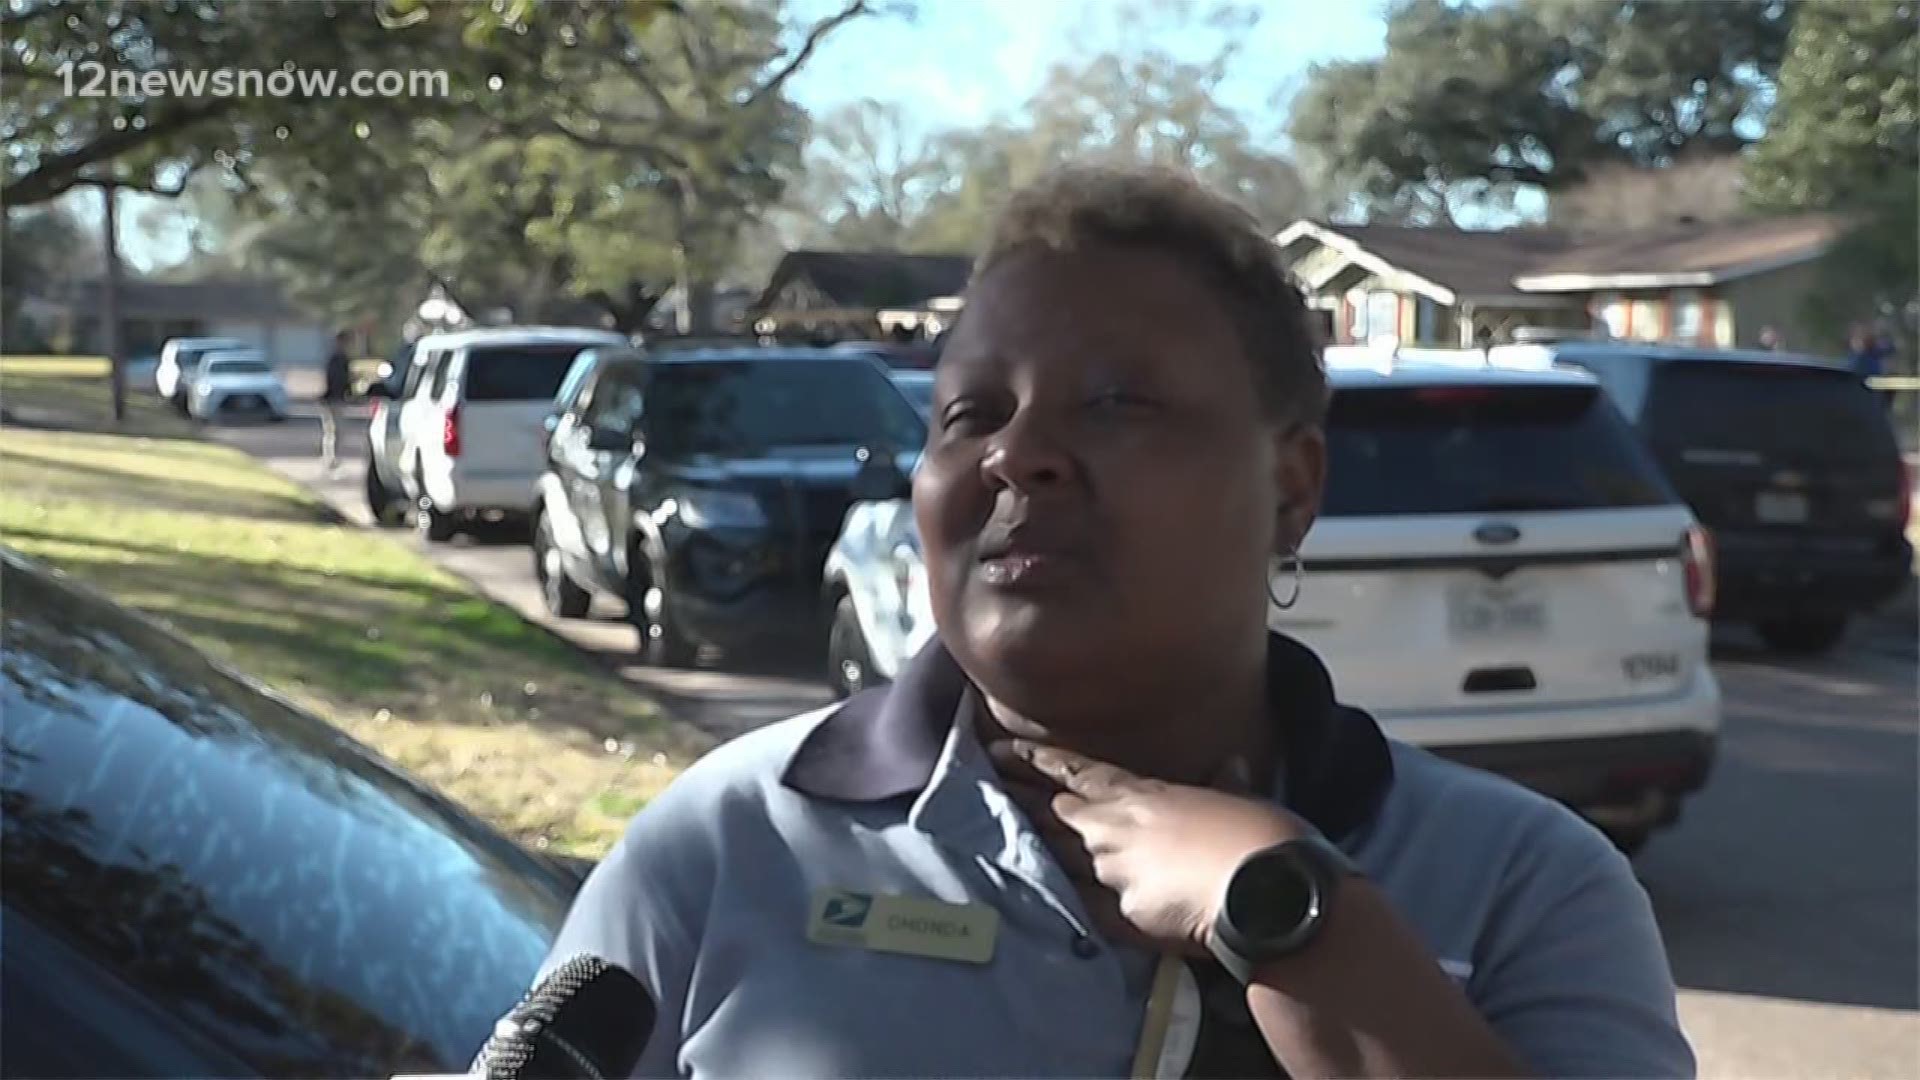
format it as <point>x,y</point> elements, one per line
<point>961,61</point>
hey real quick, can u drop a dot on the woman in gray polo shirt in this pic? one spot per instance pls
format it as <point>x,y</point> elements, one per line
<point>1106,823</point>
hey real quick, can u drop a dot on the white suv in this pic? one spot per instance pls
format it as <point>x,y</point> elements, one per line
<point>1500,573</point>
<point>471,428</point>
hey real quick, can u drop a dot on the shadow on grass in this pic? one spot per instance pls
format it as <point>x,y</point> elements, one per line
<point>352,633</point>
<point>81,404</point>
<point>76,480</point>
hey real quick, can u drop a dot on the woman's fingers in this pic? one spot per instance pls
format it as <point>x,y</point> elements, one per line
<point>1082,775</point>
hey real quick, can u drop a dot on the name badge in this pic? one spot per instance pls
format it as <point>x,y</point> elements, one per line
<point>908,925</point>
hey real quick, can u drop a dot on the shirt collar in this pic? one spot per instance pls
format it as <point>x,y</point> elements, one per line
<point>885,743</point>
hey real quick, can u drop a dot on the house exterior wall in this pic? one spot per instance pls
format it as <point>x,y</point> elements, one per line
<point>1730,315</point>
<point>1776,299</point>
<point>287,344</point>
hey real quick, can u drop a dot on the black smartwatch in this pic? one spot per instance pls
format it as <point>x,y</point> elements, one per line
<point>1276,902</point>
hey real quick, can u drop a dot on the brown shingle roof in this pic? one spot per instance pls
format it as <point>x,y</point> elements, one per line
<point>1469,262</point>
<point>1712,250</point>
<point>872,279</point>
<point>1529,261</point>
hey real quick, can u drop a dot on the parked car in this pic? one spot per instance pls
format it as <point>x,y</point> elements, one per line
<point>900,355</point>
<point>1500,573</point>
<point>917,387</point>
<point>236,383</point>
<point>180,359</point>
<point>1791,463</point>
<point>397,379</point>
<point>703,489</point>
<point>202,880</point>
<point>470,422</point>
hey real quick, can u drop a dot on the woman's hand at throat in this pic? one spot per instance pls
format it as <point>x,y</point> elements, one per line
<point>1151,859</point>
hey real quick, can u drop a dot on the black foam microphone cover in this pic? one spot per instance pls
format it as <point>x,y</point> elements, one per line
<point>589,1019</point>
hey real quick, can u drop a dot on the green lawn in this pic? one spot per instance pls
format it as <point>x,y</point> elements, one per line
<point>498,713</point>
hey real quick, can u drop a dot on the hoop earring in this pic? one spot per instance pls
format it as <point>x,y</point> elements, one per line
<point>1293,566</point>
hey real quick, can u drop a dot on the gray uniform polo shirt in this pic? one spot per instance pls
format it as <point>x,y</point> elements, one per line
<point>710,897</point>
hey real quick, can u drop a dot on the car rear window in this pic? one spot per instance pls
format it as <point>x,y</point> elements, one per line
<point>918,388</point>
<point>239,367</point>
<point>518,372</point>
<point>1483,449</point>
<point>753,406</point>
<point>1785,411</point>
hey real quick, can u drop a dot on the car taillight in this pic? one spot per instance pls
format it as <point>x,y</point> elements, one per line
<point>1697,560</point>
<point>450,432</point>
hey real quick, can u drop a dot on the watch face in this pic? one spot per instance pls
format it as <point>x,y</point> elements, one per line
<point>1272,897</point>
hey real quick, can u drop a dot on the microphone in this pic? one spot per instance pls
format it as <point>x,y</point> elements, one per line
<point>588,1019</point>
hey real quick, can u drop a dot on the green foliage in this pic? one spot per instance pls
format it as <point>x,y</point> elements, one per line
<point>1846,127</point>
<point>1473,100</point>
<point>42,248</point>
<point>1845,135</point>
<point>57,135</point>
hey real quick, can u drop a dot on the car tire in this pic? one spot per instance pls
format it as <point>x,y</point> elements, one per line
<point>434,525</point>
<point>849,664</point>
<point>558,593</point>
<point>1805,636</point>
<point>387,506</point>
<point>662,641</point>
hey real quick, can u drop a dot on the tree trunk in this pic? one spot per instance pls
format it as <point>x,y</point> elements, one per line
<point>110,305</point>
<point>696,316</point>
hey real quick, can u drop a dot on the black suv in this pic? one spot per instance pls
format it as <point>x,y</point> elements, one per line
<point>703,489</point>
<point>1790,463</point>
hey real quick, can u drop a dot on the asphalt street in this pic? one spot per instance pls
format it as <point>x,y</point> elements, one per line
<point>1787,894</point>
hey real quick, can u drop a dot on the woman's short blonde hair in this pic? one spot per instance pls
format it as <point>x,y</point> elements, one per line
<point>1172,212</point>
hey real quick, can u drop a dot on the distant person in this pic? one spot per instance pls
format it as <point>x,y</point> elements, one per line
<point>332,398</point>
<point>1106,822</point>
<point>1770,339</point>
<point>1867,354</point>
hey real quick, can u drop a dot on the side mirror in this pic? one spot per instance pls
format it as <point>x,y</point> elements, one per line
<point>880,478</point>
<point>609,441</point>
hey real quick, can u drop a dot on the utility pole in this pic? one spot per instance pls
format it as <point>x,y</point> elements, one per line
<point>110,304</point>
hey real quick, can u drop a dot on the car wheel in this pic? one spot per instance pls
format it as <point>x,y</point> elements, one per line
<point>434,525</point>
<point>557,591</point>
<point>387,506</point>
<point>662,642</point>
<point>1811,635</point>
<point>849,665</point>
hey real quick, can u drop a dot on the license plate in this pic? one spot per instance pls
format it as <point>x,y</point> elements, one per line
<point>1494,610</point>
<point>1780,507</point>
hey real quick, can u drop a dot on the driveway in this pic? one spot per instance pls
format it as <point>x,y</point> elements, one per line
<point>1787,894</point>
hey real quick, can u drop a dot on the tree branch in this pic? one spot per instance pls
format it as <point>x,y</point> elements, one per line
<point>164,192</point>
<point>57,174</point>
<point>815,36</point>
<point>651,152</point>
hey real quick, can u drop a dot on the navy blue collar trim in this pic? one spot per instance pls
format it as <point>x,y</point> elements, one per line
<point>884,743</point>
